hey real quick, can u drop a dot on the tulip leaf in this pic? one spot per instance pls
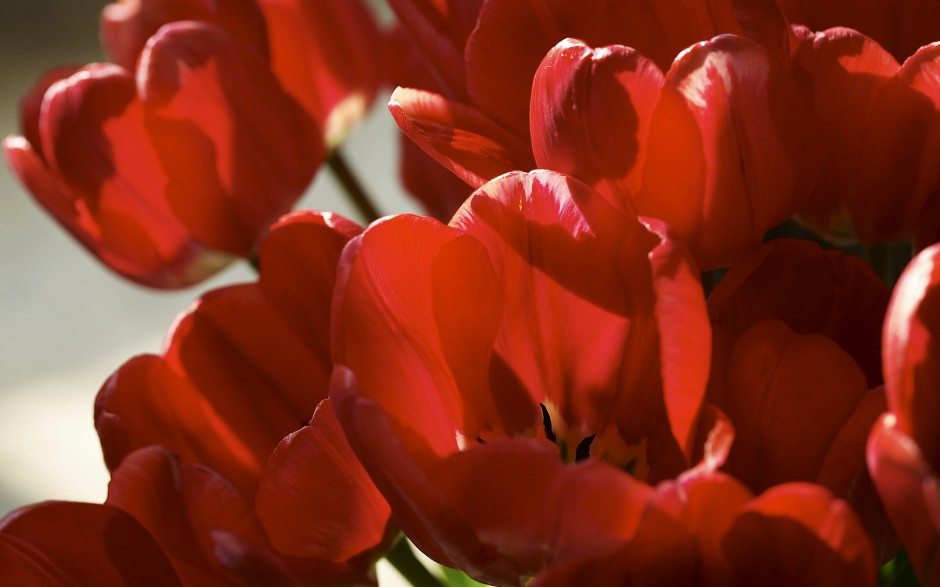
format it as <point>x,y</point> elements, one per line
<point>456,578</point>
<point>898,572</point>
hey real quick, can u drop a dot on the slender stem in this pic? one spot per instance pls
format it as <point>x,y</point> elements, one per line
<point>405,562</point>
<point>351,185</point>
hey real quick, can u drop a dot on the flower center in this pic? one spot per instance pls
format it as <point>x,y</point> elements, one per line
<point>607,446</point>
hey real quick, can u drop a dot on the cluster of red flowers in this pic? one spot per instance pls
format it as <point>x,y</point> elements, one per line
<point>539,391</point>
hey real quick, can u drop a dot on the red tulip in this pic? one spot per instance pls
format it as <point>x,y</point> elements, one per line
<point>904,447</point>
<point>126,25</point>
<point>611,118</point>
<point>61,543</point>
<point>207,529</point>
<point>727,113</point>
<point>541,315</point>
<point>325,54</point>
<point>162,524</point>
<point>793,534</point>
<point>899,27</point>
<point>812,291</point>
<point>796,358</point>
<point>235,387</point>
<point>881,124</point>
<point>167,177</point>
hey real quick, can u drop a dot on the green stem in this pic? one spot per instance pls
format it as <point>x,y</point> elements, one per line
<point>351,186</point>
<point>405,562</point>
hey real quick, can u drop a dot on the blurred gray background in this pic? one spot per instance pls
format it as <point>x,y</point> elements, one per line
<point>65,322</point>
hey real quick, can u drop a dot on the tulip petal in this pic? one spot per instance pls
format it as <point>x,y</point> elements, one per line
<point>513,36</point>
<point>419,334</point>
<point>180,506</point>
<point>788,396</point>
<point>797,534</point>
<point>243,368</point>
<point>440,29</point>
<point>536,511</point>
<point>225,132</point>
<point>105,180</point>
<point>900,150</point>
<point>459,137</point>
<point>326,55</point>
<point>126,25</point>
<point>910,491</point>
<point>590,113</point>
<point>145,403</point>
<point>348,516</point>
<point>812,291</point>
<point>31,103</point>
<point>911,354</point>
<point>846,72</point>
<point>399,464</point>
<point>900,28</point>
<point>60,543</point>
<point>682,320</point>
<point>440,192</point>
<point>706,503</point>
<point>550,238</point>
<point>733,118</point>
<point>660,555</point>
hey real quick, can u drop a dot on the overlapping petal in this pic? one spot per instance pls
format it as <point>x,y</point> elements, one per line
<point>899,27</point>
<point>796,359</point>
<point>126,25</point>
<point>731,117</point>
<point>882,128</point>
<point>458,136</point>
<point>812,291</point>
<point>62,543</point>
<point>540,292</point>
<point>220,154</point>
<point>138,172</point>
<point>242,369</point>
<point>911,356</point>
<point>317,462</point>
<point>902,448</point>
<point>185,508</point>
<point>706,529</point>
<point>909,487</point>
<point>491,71</point>
<point>326,55</point>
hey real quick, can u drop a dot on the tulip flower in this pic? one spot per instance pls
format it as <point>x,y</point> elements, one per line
<point>61,543</point>
<point>901,28</point>
<point>325,54</point>
<point>726,111</point>
<point>881,124</point>
<point>162,524</point>
<point>904,446</point>
<point>234,389</point>
<point>169,175</point>
<point>207,530</point>
<point>792,534</point>
<point>546,342</point>
<point>127,25</point>
<point>796,369</point>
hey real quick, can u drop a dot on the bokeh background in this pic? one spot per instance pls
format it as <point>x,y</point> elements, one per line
<point>65,322</point>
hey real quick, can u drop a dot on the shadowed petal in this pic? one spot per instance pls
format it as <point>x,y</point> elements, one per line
<point>348,515</point>
<point>60,543</point>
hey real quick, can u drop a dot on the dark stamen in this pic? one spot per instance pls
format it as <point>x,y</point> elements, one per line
<point>547,423</point>
<point>584,449</point>
<point>480,440</point>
